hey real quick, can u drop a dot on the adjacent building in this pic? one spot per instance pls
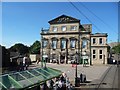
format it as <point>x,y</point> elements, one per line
<point>67,41</point>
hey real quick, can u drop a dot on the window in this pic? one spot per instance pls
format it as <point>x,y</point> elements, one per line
<point>45,42</point>
<point>94,56</point>
<point>100,52</point>
<point>73,28</point>
<point>63,28</point>
<point>54,44</point>
<point>84,43</point>
<point>63,44</point>
<point>93,51</point>
<point>100,56</point>
<point>72,43</point>
<point>100,41</point>
<point>94,40</point>
<point>55,29</point>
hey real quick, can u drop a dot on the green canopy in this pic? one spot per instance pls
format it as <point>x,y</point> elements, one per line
<point>27,78</point>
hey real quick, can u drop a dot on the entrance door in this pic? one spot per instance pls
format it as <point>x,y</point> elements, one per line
<point>62,59</point>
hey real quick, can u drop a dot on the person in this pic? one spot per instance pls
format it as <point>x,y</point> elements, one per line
<point>18,64</point>
<point>67,82</point>
<point>51,84</point>
<point>84,78</point>
<point>55,85</point>
<point>81,77</point>
<point>114,61</point>
<point>60,85</point>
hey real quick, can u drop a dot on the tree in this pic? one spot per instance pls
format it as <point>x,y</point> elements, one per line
<point>35,48</point>
<point>21,48</point>
<point>116,49</point>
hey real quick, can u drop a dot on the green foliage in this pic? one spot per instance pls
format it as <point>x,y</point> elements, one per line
<point>22,49</point>
<point>116,49</point>
<point>35,48</point>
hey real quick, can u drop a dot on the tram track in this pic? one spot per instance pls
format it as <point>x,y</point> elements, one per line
<point>109,79</point>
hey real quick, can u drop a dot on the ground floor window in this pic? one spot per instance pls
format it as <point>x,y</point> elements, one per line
<point>100,56</point>
<point>94,56</point>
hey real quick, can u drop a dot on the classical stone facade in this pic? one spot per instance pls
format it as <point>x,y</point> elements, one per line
<point>68,41</point>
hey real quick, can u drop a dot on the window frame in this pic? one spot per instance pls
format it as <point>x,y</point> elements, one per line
<point>44,46</point>
<point>54,28</point>
<point>100,56</point>
<point>100,40</point>
<point>75,28</point>
<point>93,56</point>
<point>63,27</point>
<point>94,51</point>
<point>86,42</point>
<point>72,44</point>
<point>53,44</point>
<point>94,40</point>
<point>64,44</point>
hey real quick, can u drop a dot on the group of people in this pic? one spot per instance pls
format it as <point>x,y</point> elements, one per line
<point>60,83</point>
<point>23,63</point>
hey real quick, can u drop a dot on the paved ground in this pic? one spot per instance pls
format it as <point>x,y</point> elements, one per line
<point>91,72</point>
<point>108,80</point>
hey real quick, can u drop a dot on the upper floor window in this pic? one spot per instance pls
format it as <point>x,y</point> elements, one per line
<point>73,28</point>
<point>72,43</point>
<point>100,41</point>
<point>94,52</point>
<point>54,44</point>
<point>84,43</point>
<point>63,28</point>
<point>45,42</point>
<point>100,52</point>
<point>94,40</point>
<point>63,44</point>
<point>55,29</point>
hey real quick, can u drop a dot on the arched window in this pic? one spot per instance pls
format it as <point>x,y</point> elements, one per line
<point>84,43</point>
<point>45,42</point>
<point>72,43</point>
<point>54,43</point>
<point>63,43</point>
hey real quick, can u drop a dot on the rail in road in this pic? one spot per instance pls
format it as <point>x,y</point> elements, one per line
<point>108,80</point>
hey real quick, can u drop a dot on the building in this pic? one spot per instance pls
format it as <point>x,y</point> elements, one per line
<point>34,57</point>
<point>67,41</point>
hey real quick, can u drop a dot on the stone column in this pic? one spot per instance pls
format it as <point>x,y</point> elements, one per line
<point>68,43</point>
<point>59,58</point>
<point>58,44</point>
<point>65,58</point>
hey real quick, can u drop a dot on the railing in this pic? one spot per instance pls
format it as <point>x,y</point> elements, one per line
<point>44,31</point>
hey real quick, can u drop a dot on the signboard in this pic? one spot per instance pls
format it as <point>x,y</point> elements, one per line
<point>85,57</point>
<point>45,56</point>
<point>74,65</point>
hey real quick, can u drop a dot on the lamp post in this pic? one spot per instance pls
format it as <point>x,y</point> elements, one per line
<point>76,71</point>
<point>42,47</point>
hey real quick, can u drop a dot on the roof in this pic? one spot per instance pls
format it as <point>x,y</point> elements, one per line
<point>27,78</point>
<point>99,34</point>
<point>14,54</point>
<point>64,19</point>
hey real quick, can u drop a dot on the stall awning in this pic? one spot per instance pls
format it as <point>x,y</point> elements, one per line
<point>27,78</point>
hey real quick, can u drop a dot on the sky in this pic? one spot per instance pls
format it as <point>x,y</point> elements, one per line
<point>22,21</point>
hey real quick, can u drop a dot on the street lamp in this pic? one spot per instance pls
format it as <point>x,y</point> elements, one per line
<point>42,47</point>
<point>76,71</point>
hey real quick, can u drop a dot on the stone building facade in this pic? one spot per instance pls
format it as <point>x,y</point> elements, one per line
<point>67,41</point>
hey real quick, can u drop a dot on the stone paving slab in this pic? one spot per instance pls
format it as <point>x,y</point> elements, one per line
<point>92,72</point>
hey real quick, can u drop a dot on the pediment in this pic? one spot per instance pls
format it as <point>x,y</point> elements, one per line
<point>63,19</point>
